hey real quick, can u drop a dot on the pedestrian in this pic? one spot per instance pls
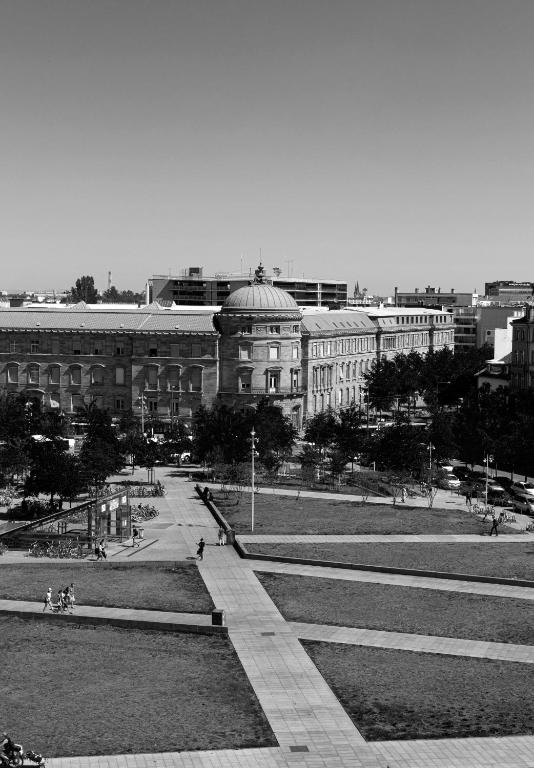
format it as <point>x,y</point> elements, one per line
<point>494,524</point>
<point>69,597</point>
<point>135,537</point>
<point>102,548</point>
<point>221,538</point>
<point>200,550</point>
<point>60,600</point>
<point>48,600</point>
<point>468,498</point>
<point>403,494</point>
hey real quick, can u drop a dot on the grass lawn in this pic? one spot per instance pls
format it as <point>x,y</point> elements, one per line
<point>155,586</point>
<point>391,694</point>
<point>401,609</point>
<point>286,514</point>
<point>84,691</point>
<point>512,561</point>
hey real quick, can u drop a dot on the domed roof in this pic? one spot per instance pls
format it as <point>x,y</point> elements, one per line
<point>259,297</point>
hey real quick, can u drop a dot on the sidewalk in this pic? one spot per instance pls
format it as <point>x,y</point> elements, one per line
<point>311,726</point>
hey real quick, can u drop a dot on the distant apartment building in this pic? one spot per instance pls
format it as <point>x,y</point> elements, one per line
<point>476,326</point>
<point>522,362</point>
<point>430,297</point>
<point>508,291</point>
<point>193,288</point>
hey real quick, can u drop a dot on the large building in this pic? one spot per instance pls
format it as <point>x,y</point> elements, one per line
<point>522,362</point>
<point>193,288</point>
<point>167,362</point>
<point>477,326</point>
<point>509,292</point>
<point>430,297</point>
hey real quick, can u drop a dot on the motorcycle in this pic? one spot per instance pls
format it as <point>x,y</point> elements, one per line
<point>17,756</point>
<point>14,758</point>
<point>35,757</point>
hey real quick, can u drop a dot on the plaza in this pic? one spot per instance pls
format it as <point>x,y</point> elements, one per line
<point>309,723</point>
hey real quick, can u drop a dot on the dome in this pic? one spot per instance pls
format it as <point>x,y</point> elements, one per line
<point>259,297</point>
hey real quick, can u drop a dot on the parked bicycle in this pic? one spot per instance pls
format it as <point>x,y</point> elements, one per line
<point>143,512</point>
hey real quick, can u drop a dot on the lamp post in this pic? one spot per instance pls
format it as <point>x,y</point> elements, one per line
<point>488,458</point>
<point>141,400</point>
<point>252,455</point>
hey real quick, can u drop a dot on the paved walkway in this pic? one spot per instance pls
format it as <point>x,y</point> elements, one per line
<point>394,538</point>
<point>312,729</point>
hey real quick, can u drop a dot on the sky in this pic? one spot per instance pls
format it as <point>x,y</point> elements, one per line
<point>388,142</point>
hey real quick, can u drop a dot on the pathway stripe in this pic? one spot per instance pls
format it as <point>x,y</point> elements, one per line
<point>410,642</point>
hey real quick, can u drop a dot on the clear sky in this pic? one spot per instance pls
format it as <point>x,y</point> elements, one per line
<point>384,141</point>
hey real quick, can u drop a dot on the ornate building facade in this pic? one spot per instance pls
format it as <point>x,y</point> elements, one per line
<point>166,362</point>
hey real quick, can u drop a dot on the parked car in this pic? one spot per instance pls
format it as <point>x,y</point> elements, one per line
<point>524,504</point>
<point>462,473</point>
<point>445,465</point>
<point>521,487</point>
<point>506,482</point>
<point>449,482</point>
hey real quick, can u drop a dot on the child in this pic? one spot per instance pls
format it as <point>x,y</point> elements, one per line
<point>200,550</point>
<point>48,600</point>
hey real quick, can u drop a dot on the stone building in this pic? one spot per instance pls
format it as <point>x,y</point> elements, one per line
<point>166,362</point>
<point>522,361</point>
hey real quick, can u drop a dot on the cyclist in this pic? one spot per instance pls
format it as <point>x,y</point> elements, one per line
<point>7,749</point>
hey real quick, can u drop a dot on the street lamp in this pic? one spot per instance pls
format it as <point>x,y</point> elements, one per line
<point>252,455</point>
<point>487,460</point>
<point>142,401</point>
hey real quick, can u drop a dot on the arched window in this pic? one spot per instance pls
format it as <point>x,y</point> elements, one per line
<point>97,375</point>
<point>174,373</point>
<point>13,373</point>
<point>75,375</point>
<point>53,375</point>
<point>32,373</point>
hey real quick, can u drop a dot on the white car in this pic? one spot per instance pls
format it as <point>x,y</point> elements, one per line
<point>524,504</point>
<point>522,487</point>
<point>450,482</point>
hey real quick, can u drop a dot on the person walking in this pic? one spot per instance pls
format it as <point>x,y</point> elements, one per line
<point>48,600</point>
<point>200,550</point>
<point>60,600</point>
<point>102,549</point>
<point>135,537</point>
<point>468,498</point>
<point>221,538</point>
<point>494,524</point>
<point>69,597</point>
<point>403,494</point>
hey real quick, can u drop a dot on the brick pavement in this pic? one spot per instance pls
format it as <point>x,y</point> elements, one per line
<point>311,727</point>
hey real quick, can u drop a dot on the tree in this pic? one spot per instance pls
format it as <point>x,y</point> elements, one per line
<point>349,438</point>
<point>84,290</point>
<point>322,429</point>
<point>102,453</point>
<point>52,470</point>
<point>382,385</point>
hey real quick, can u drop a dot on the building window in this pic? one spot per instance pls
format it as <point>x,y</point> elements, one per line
<point>274,352</point>
<point>173,377</point>
<point>34,347</point>
<point>295,380</point>
<point>13,347</point>
<point>77,403</point>
<point>196,379</point>
<point>12,374</point>
<point>274,329</point>
<point>245,352</point>
<point>273,382</point>
<point>98,347</point>
<point>97,376</point>
<point>119,376</point>
<point>153,349</point>
<point>119,348</point>
<point>152,405</point>
<point>296,329</point>
<point>98,401</point>
<point>295,352</point>
<point>151,378</point>
<point>76,347</point>
<point>119,404</point>
<point>246,329</point>
<point>314,350</point>
<point>75,376</point>
<point>53,375</point>
<point>196,350</point>
<point>245,381</point>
